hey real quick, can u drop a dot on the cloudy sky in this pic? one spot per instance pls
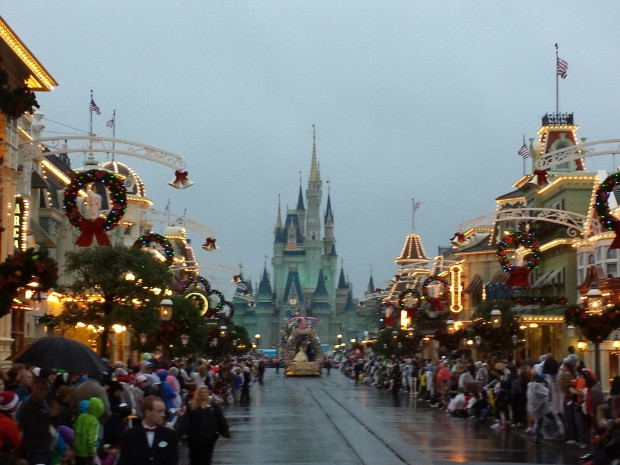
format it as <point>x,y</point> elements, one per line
<point>426,100</point>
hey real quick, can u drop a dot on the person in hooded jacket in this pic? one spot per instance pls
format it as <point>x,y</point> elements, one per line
<point>87,431</point>
<point>165,392</point>
<point>120,410</point>
<point>539,404</point>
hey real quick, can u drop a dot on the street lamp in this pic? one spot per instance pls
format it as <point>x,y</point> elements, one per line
<point>570,331</point>
<point>450,325</point>
<point>257,337</point>
<point>142,338</point>
<point>353,341</point>
<point>595,300</point>
<point>165,309</point>
<point>339,337</point>
<point>515,339</point>
<point>496,318</point>
<point>478,340</point>
<point>184,339</point>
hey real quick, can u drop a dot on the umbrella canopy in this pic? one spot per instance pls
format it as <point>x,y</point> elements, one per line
<point>61,353</point>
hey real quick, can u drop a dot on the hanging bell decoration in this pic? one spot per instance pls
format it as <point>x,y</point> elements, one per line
<point>236,279</point>
<point>180,180</point>
<point>210,245</point>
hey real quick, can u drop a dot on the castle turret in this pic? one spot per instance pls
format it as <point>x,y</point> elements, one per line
<point>301,210</point>
<point>321,308</point>
<point>314,195</point>
<point>341,292</point>
<point>264,311</point>
<point>329,240</point>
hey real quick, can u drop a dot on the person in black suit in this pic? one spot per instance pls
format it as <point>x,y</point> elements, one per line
<point>149,442</point>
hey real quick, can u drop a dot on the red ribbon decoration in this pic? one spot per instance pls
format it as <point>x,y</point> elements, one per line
<point>397,277</point>
<point>616,242</point>
<point>209,244</point>
<point>236,278</point>
<point>518,276</point>
<point>436,304</point>
<point>180,176</point>
<point>541,177</point>
<point>460,237</point>
<point>92,229</point>
<point>388,321</point>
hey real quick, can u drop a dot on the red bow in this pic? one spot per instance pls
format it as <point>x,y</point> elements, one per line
<point>90,230</point>
<point>388,321</point>
<point>397,277</point>
<point>541,177</point>
<point>518,276</point>
<point>209,244</point>
<point>180,176</point>
<point>245,292</point>
<point>236,278</point>
<point>436,304</point>
<point>460,237</point>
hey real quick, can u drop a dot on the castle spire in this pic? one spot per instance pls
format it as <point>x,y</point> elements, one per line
<point>315,174</point>
<point>279,222</point>
<point>329,215</point>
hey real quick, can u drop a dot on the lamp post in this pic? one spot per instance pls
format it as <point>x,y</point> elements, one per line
<point>184,339</point>
<point>142,338</point>
<point>570,331</point>
<point>339,337</point>
<point>478,340</point>
<point>165,309</point>
<point>496,318</point>
<point>595,307</point>
<point>257,337</point>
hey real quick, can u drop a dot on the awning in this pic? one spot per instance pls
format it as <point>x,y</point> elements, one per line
<point>41,238</point>
<point>555,277</point>
<point>37,182</point>
<point>475,286</point>
<point>501,277</point>
<point>541,279</point>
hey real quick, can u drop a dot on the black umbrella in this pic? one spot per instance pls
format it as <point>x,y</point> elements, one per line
<point>61,353</point>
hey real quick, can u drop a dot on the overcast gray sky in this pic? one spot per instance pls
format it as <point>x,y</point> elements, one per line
<point>428,100</point>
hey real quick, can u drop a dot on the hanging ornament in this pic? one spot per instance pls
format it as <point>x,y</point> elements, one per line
<point>95,227</point>
<point>180,180</point>
<point>458,238</point>
<point>162,241</point>
<point>601,203</point>
<point>236,279</point>
<point>209,245</point>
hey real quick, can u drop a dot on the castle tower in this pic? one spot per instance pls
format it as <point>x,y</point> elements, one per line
<point>321,308</point>
<point>264,311</point>
<point>350,320</point>
<point>314,194</point>
<point>301,210</point>
<point>329,240</point>
<point>342,291</point>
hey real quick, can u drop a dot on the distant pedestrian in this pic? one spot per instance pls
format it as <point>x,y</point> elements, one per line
<point>237,386</point>
<point>203,423</point>
<point>149,442</point>
<point>277,365</point>
<point>261,371</point>
<point>36,425</point>
<point>245,389</point>
<point>328,365</point>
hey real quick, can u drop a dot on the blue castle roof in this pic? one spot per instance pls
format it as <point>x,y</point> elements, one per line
<point>349,307</point>
<point>342,282</point>
<point>321,290</point>
<point>300,201</point>
<point>293,280</point>
<point>264,288</point>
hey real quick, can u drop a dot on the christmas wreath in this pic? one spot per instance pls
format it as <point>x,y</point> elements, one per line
<point>97,228</point>
<point>386,312</point>
<point>436,302</point>
<point>601,203</point>
<point>231,312</point>
<point>144,241</point>
<point>15,102</point>
<point>407,297</point>
<point>595,327</point>
<point>197,279</point>
<point>214,310</point>
<point>514,240</point>
<point>22,268</point>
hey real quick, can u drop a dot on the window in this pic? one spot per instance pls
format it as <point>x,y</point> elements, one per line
<point>591,259</point>
<point>599,254</point>
<point>612,270</point>
<point>612,253</point>
<point>582,276</point>
<point>581,259</point>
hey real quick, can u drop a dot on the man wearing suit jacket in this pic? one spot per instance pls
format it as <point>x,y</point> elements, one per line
<point>149,442</point>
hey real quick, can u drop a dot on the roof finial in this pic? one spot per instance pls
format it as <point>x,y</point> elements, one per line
<point>300,184</point>
<point>315,175</point>
<point>279,222</point>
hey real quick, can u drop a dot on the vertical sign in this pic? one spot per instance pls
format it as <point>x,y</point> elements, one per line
<point>19,219</point>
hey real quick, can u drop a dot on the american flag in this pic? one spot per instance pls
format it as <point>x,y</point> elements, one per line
<point>524,151</point>
<point>94,107</point>
<point>110,123</point>
<point>562,67</point>
<point>416,206</point>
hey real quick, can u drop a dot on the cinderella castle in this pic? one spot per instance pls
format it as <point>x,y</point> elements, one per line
<point>305,279</point>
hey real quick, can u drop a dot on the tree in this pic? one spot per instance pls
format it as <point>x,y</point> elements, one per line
<point>102,296</point>
<point>186,319</point>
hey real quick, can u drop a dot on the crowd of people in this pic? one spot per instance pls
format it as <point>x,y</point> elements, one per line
<point>549,398</point>
<point>131,414</point>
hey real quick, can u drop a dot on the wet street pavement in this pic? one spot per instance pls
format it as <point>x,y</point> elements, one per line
<point>330,420</point>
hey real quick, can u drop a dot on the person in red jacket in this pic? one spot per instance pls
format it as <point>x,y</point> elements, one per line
<point>10,437</point>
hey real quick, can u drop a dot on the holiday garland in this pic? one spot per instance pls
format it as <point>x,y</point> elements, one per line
<point>23,268</point>
<point>144,241</point>
<point>97,228</point>
<point>601,203</point>
<point>15,102</point>
<point>596,327</point>
<point>541,301</point>
<point>214,311</point>
<point>512,241</point>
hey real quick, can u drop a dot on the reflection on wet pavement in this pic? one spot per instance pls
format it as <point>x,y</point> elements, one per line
<point>330,420</point>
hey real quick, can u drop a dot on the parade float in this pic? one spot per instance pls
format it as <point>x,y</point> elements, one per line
<point>302,348</point>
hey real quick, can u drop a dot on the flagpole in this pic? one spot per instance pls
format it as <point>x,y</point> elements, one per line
<point>91,121</point>
<point>557,84</point>
<point>523,157</point>
<point>113,132</point>
<point>412,215</point>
